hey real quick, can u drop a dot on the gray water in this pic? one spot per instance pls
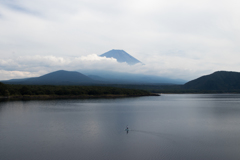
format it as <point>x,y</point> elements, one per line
<point>169,127</point>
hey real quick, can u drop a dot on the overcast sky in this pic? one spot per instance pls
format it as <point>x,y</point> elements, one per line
<point>181,39</point>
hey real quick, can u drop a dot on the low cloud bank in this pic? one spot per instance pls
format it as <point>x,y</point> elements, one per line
<point>164,66</point>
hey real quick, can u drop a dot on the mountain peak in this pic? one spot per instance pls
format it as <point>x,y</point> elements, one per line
<point>121,56</point>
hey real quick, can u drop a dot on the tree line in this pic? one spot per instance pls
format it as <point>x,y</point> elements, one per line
<point>178,89</point>
<point>21,90</point>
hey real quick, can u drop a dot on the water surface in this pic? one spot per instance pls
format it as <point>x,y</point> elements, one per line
<point>199,126</point>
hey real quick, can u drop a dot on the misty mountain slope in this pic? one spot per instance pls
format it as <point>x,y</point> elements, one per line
<point>95,77</point>
<point>128,78</point>
<point>56,78</point>
<point>121,56</point>
<point>221,80</point>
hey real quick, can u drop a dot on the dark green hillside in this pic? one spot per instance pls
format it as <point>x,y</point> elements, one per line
<point>221,80</point>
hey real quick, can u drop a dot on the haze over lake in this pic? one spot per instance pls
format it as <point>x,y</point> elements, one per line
<point>186,126</point>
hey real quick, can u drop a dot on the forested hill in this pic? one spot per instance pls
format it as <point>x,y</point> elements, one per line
<point>60,77</point>
<point>221,80</point>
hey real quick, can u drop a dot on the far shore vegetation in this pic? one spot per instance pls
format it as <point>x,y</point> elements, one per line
<point>177,89</point>
<point>51,91</point>
<point>118,90</point>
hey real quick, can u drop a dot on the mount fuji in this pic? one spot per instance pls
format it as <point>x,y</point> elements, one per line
<point>121,56</point>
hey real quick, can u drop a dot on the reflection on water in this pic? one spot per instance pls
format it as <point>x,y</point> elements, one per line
<point>187,126</point>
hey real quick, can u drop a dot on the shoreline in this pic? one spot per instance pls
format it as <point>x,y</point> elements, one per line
<point>42,97</point>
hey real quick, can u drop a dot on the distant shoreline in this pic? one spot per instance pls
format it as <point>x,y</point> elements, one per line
<point>31,97</point>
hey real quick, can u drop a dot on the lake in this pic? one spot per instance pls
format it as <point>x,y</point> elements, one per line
<point>168,127</point>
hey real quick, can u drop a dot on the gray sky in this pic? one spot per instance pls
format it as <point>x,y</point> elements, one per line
<point>181,39</point>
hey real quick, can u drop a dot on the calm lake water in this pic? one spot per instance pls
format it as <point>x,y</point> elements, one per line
<point>169,127</point>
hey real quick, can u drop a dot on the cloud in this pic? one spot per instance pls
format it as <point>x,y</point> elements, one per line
<point>6,75</point>
<point>164,66</point>
<point>11,4</point>
<point>173,38</point>
<point>38,65</point>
